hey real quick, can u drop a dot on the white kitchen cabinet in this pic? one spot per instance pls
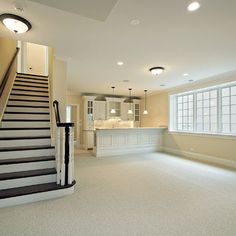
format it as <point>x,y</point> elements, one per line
<point>99,110</point>
<point>114,103</point>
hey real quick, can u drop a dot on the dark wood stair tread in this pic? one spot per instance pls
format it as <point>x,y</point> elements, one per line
<point>26,160</point>
<point>31,75</point>
<point>25,120</point>
<point>30,90</point>
<point>39,188</point>
<point>27,128</point>
<point>25,112</point>
<point>30,86</point>
<point>25,148</point>
<point>30,95</point>
<point>26,100</point>
<point>30,81</point>
<point>27,106</point>
<point>28,173</point>
<point>25,137</point>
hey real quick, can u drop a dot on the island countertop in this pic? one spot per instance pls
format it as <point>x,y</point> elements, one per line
<point>118,141</point>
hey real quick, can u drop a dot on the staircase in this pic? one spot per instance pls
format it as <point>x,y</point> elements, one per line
<point>27,159</point>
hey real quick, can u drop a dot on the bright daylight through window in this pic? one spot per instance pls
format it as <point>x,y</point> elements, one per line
<point>211,110</point>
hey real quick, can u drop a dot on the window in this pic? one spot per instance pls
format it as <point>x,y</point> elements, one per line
<point>208,110</point>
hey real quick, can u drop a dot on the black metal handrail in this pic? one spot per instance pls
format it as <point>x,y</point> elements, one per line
<point>67,135</point>
<point>8,71</point>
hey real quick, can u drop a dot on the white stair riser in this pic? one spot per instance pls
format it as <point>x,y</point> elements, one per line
<point>14,183</point>
<point>6,124</point>
<point>27,166</point>
<point>29,92</point>
<point>27,109</point>
<point>28,142</point>
<point>27,116</point>
<point>27,153</point>
<point>22,83</point>
<point>32,80</point>
<point>19,133</point>
<point>30,103</point>
<point>31,77</point>
<point>30,88</point>
<point>29,97</point>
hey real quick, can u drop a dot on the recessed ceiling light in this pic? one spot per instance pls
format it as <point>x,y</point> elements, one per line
<point>190,80</point>
<point>157,70</point>
<point>194,6</point>
<point>125,80</point>
<point>162,85</point>
<point>135,22</point>
<point>120,63</point>
<point>15,23</point>
<point>186,74</point>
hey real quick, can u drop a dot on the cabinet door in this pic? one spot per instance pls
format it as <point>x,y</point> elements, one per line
<point>99,112</point>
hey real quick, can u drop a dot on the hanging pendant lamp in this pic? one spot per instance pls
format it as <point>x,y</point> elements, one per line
<point>145,112</point>
<point>130,103</point>
<point>113,111</point>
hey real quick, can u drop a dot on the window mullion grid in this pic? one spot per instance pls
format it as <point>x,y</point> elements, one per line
<point>219,110</point>
<point>230,111</point>
<point>194,112</point>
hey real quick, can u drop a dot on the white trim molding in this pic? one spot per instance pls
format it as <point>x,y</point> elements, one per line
<point>201,157</point>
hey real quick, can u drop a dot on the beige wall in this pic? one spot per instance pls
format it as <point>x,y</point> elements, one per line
<point>157,106</point>
<point>7,50</point>
<point>36,59</point>
<point>77,100</point>
<point>215,146</point>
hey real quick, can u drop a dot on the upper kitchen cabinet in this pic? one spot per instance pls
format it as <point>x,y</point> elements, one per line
<point>99,110</point>
<point>114,108</point>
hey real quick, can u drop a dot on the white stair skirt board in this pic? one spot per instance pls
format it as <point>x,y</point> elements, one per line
<point>10,124</point>
<point>27,116</point>
<point>27,166</point>
<point>20,133</point>
<point>14,201</point>
<point>29,97</point>
<point>202,157</point>
<point>29,92</point>
<point>27,153</point>
<point>24,142</point>
<point>28,103</point>
<point>30,88</point>
<point>27,109</point>
<point>27,181</point>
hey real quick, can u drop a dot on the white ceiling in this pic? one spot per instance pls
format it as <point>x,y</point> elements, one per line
<point>202,43</point>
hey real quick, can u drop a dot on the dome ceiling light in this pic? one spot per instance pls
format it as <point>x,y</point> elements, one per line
<point>16,24</point>
<point>157,70</point>
<point>193,6</point>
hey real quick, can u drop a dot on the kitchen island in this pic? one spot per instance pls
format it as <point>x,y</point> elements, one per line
<point>118,141</point>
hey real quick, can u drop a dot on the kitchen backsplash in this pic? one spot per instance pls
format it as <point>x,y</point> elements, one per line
<point>113,123</point>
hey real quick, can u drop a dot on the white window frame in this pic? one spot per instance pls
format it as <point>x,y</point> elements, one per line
<point>173,113</point>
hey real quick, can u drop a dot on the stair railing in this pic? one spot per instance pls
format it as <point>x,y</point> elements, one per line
<point>6,82</point>
<point>64,149</point>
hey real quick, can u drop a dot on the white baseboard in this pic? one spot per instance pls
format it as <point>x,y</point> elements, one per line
<point>201,157</point>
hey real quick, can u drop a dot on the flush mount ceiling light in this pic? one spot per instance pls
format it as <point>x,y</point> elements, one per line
<point>120,63</point>
<point>15,23</point>
<point>185,74</point>
<point>135,22</point>
<point>193,6</point>
<point>157,70</point>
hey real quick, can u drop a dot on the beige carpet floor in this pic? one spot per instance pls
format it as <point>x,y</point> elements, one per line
<point>134,195</point>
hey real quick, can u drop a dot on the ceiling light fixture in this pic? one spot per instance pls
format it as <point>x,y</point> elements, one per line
<point>185,74</point>
<point>194,6</point>
<point>113,110</point>
<point>145,112</point>
<point>15,23</point>
<point>120,63</point>
<point>135,22</point>
<point>157,70</point>
<point>130,103</point>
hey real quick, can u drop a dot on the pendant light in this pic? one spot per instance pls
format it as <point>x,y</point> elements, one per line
<point>145,112</point>
<point>130,108</point>
<point>113,111</point>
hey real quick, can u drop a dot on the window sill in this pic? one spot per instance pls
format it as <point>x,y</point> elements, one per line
<point>207,135</point>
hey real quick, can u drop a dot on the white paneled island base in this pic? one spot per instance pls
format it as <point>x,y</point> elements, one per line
<point>118,141</point>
